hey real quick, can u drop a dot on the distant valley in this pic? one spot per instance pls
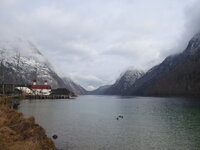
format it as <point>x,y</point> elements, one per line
<point>177,75</point>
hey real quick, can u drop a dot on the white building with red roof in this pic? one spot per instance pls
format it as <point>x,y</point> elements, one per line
<point>40,89</point>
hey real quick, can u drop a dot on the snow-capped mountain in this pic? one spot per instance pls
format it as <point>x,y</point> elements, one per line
<point>194,45</point>
<point>129,77</point>
<point>23,62</point>
<point>126,80</point>
<point>72,86</point>
<point>176,75</point>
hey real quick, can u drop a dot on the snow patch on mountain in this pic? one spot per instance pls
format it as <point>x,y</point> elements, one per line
<point>23,63</point>
<point>125,81</point>
<point>129,77</point>
<point>194,44</point>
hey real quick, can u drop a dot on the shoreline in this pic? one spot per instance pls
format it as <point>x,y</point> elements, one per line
<point>20,133</point>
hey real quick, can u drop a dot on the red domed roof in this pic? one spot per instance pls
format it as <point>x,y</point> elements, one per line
<point>40,87</point>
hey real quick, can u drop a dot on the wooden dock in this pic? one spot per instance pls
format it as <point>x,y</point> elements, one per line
<point>47,97</point>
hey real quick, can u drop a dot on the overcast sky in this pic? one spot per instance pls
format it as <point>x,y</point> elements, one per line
<point>93,41</point>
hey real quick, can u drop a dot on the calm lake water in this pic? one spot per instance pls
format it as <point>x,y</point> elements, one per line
<point>89,122</point>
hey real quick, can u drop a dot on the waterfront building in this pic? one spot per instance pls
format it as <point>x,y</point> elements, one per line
<point>40,89</point>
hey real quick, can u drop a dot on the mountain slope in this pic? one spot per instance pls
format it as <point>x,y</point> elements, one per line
<point>23,62</point>
<point>100,91</point>
<point>72,86</point>
<point>176,75</point>
<point>126,80</point>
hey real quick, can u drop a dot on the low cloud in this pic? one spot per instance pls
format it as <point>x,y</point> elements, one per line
<point>90,88</point>
<point>90,82</point>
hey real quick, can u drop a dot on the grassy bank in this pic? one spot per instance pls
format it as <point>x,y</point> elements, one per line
<point>19,133</point>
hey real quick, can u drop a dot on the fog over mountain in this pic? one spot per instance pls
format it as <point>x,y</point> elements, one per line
<point>93,41</point>
<point>22,62</point>
<point>22,58</point>
<point>177,75</point>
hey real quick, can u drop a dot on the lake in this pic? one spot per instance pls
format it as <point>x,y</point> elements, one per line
<point>89,122</point>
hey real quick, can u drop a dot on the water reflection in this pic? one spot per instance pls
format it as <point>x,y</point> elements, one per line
<point>89,122</point>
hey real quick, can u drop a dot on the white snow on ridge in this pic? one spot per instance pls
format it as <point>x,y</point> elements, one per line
<point>131,76</point>
<point>26,61</point>
<point>21,47</point>
<point>128,78</point>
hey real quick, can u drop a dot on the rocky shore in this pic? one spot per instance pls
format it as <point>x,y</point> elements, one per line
<point>20,133</point>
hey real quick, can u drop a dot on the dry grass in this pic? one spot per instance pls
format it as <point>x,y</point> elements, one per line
<point>19,133</point>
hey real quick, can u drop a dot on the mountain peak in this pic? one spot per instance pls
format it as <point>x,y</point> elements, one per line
<point>22,58</point>
<point>194,44</point>
<point>131,71</point>
<point>125,81</point>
